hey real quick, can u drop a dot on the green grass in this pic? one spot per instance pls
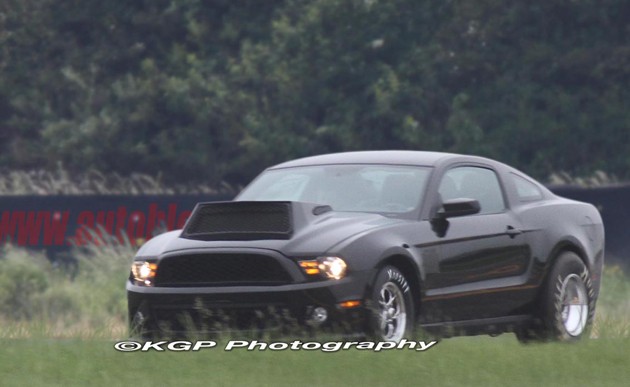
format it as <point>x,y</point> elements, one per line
<point>474,361</point>
<point>38,299</point>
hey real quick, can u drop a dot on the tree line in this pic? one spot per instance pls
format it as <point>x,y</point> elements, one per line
<point>216,90</point>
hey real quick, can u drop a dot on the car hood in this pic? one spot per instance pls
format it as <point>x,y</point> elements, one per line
<point>312,233</point>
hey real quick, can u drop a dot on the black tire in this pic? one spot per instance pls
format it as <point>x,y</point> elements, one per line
<point>568,303</point>
<point>391,311</point>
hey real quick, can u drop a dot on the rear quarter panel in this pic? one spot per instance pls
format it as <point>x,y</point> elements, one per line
<point>557,224</point>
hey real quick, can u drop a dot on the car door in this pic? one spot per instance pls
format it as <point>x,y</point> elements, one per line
<point>480,259</point>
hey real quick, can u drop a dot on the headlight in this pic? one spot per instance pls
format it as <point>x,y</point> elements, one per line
<point>331,267</point>
<point>143,272</point>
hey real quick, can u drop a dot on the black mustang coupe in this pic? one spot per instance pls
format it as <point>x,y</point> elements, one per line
<point>382,242</point>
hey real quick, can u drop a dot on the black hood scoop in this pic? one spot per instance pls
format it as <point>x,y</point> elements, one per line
<point>219,221</point>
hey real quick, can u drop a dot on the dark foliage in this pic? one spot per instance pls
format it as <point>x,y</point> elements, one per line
<point>216,90</point>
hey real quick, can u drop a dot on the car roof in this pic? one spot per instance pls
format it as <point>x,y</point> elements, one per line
<point>395,157</point>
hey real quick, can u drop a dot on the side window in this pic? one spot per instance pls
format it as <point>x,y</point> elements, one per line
<point>525,189</point>
<point>477,183</point>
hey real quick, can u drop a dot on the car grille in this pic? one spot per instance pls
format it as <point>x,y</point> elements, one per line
<point>220,270</point>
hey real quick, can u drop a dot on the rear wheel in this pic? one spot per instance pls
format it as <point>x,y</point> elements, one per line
<point>392,312</point>
<point>568,303</point>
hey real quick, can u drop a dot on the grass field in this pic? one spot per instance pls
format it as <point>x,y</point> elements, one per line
<point>473,361</point>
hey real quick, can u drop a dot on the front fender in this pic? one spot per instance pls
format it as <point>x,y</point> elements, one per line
<point>158,245</point>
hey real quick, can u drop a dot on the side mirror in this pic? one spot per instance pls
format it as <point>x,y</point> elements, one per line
<point>458,207</point>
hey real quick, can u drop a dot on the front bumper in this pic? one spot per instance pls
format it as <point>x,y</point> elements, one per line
<point>173,310</point>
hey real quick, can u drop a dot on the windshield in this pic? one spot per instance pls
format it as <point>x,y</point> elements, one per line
<point>365,188</point>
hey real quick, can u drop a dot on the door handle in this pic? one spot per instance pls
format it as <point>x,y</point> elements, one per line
<point>513,232</point>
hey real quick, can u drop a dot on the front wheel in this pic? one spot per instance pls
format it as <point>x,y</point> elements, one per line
<point>392,311</point>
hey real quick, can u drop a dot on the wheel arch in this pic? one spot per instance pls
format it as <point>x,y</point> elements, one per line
<point>566,246</point>
<point>561,247</point>
<point>409,269</point>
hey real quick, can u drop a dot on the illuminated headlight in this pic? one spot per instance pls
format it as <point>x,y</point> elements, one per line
<point>330,267</point>
<point>143,272</point>
<point>333,267</point>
